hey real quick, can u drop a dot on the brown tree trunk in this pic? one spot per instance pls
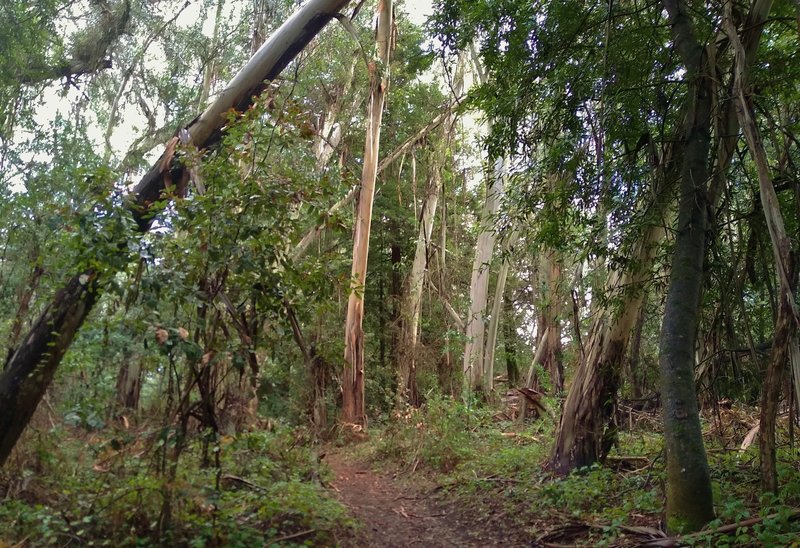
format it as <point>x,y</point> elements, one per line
<point>584,434</point>
<point>510,338</point>
<point>353,409</point>
<point>548,324</point>
<point>30,370</point>
<point>129,383</point>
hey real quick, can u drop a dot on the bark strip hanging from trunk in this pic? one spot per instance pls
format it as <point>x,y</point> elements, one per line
<point>30,370</point>
<point>353,410</point>
<point>785,340</point>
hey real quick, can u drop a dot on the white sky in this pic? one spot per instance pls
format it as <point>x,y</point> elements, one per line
<point>131,121</point>
<point>419,10</point>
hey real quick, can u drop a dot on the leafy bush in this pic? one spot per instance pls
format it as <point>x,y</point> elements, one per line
<point>267,487</point>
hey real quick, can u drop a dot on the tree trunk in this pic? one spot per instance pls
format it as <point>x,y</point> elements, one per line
<point>407,351</point>
<point>785,340</point>
<point>353,410</point>
<point>633,363</point>
<point>30,370</point>
<point>494,319</point>
<point>210,69</point>
<point>329,132</point>
<point>548,322</point>
<point>129,383</point>
<point>479,286</point>
<point>583,436</point>
<point>689,496</point>
<point>510,338</point>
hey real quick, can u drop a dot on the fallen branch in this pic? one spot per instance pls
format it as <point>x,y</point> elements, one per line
<point>243,482</point>
<point>722,530</point>
<point>293,535</point>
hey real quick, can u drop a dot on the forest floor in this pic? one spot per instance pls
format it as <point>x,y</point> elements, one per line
<point>400,513</point>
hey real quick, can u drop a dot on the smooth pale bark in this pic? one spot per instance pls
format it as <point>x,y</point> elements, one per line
<point>494,319</point>
<point>412,303</point>
<point>313,234</point>
<point>479,285</point>
<point>30,370</point>
<point>329,132</point>
<point>211,63</point>
<point>353,410</point>
<point>689,497</point>
<point>785,339</point>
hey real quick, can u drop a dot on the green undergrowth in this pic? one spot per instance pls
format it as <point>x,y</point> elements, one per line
<point>496,470</point>
<point>259,489</point>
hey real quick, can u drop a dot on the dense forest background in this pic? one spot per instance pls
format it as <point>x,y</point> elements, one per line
<point>541,253</point>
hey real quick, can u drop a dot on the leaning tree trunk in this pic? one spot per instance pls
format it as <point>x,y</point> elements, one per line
<point>583,436</point>
<point>409,336</point>
<point>353,410</point>
<point>689,496</point>
<point>30,370</point>
<point>785,339</point>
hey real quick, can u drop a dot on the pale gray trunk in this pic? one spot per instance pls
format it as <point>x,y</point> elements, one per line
<point>494,319</point>
<point>474,369</point>
<point>410,311</point>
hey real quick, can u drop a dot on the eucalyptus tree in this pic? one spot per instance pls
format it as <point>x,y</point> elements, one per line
<point>553,78</point>
<point>353,408</point>
<point>30,369</point>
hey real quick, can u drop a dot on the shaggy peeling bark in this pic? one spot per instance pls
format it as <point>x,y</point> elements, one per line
<point>785,339</point>
<point>31,368</point>
<point>353,410</point>
<point>584,435</point>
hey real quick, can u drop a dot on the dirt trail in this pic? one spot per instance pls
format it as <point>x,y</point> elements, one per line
<point>396,516</point>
